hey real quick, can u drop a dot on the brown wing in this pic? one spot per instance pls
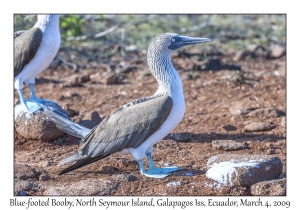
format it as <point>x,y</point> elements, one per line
<point>126,128</point>
<point>25,48</point>
<point>18,33</point>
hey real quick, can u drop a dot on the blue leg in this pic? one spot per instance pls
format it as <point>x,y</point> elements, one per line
<point>33,96</point>
<point>31,86</point>
<point>160,170</point>
<point>151,173</point>
<point>22,99</point>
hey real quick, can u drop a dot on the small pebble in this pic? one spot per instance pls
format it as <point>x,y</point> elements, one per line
<point>173,184</point>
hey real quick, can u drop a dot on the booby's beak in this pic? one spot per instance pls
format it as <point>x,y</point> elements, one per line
<point>180,41</point>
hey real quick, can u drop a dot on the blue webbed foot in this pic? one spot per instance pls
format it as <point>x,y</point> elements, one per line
<point>31,106</point>
<point>160,170</point>
<point>151,173</point>
<point>27,104</point>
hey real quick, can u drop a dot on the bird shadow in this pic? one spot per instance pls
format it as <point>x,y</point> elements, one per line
<point>188,172</point>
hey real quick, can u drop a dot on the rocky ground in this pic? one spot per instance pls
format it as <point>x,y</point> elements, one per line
<point>235,107</point>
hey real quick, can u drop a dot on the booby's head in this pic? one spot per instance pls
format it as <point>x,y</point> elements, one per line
<point>168,42</point>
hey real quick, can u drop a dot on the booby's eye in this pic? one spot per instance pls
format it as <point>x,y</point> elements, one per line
<point>173,40</point>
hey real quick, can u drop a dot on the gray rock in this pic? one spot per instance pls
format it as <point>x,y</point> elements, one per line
<point>228,145</point>
<point>243,170</point>
<point>271,188</point>
<point>23,185</point>
<point>124,177</point>
<point>38,125</point>
<point>88,187</point>
<point>266,113</point>
<point>24,172</point>
<point>259,126</point>
<point>277,51</point>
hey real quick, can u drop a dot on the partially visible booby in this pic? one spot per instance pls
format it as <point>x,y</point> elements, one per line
<point>34,49</point>
<point>138,125</point>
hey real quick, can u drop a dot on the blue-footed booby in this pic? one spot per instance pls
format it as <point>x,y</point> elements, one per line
<point>34,49</point>
<point>137,126</point>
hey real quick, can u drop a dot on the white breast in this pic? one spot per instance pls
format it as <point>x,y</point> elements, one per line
<point>43,57</point>
<point>176,115</point>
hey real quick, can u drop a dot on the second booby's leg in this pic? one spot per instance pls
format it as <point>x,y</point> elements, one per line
<point>151,173</point>
<point>160,170</point>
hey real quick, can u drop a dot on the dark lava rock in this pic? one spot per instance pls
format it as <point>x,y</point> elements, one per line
<point>38,125</point>
<point>88,187</point>
<point>243,170</point>
<point>275,187</point>
<point>259,126</point>
<point>229,128</point>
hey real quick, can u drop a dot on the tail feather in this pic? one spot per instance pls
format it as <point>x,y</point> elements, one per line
<point>71,158</point>
<point>64,124</point>
<point>81,163</point>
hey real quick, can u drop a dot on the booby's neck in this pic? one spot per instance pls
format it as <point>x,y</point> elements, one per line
<point>47,21</point>
<point>161,67</point>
